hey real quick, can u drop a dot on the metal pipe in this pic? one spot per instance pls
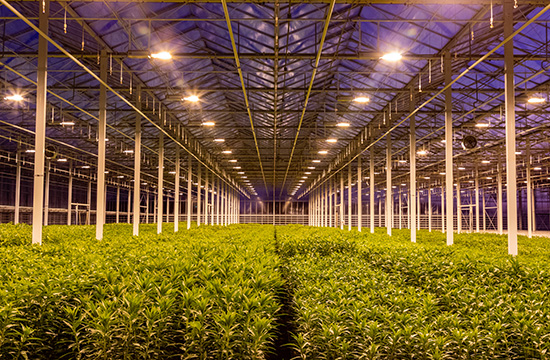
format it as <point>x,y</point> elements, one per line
<point>449,147</point>
<point>102,129</point>
<point>160,187</point>
<point>137,166</point>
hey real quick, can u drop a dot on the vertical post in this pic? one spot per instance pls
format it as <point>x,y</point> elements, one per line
<point>330,208</point>
<point>342,200</point>
<point>199,208</point>
<point>69,194</point>
<point>389,201</point>
<point>500,220</point>
<point>177,191</point>
<point>137,167</point>
<point>189,197</point>
<point>18,189</point>
<point>40,133</point>
<point>400,209</point>
<point>476,192</point>
<point>371,189</point>
<point>117,204</point>
<point>359,195</point>
<point>509,97</point>
<point>213,200</point>
<point>349,197</point>
<point>160,202</point>
<point>412,166</point>
<point>100,191</point>
<point>429,207</point>
<point>458,204</point>
<point>218,199</point>
<point>529,191</point>
<point>129,211</point>
<point>206,197</point>
<point>147,208</point>
<point>321,207</point>
<point>449,149</point>
<point>442,208</point>
<point>89,199</point>
<point>47,194</point>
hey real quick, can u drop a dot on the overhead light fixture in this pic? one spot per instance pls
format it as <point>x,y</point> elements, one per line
<point>128,151</point>
<point>393,56</point>
<point>163,55</point>
<point>233,160</point>
<point>489,178</point>
<point>323,152</point>
<point>85,166</point>
<point>311,167</point>
<point>402,161</point>
<point>304,177</point>
<point>14,97</point>
<point>361,99</point>
<point>120,176</point>
<point>332,140</point>
<point>461,168</point>
<point>241,173</point>
<point>172,172</point>
<point>343,124</point>
<point>219,140</point>
<point>316,161</point>
<point>67,123</point>
<point>482,125</point>
<point>192,98</point>
<point>30,151</point>
<point>518,152</point>
<point>62,160</point>
<point>442,173</point>
<point>236,167</point>
<point>422,152</point>
<point>208,123</point>
<point>537,168</point>
<point>427,177</point>
<point>444,141</point>
<point>485,161</point>
<point>403,184</point>
<point>536,100</point>
<point>308,173</point>
<point>227,152</point>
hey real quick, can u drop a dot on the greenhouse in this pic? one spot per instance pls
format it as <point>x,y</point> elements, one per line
<point>319,179</point>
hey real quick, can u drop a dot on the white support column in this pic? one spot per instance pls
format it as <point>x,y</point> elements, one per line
<point>389,201</point>
<point>327,213</point>
<point>458,204</point>
<point>205,196</point>
<point>418,210</point>
<point>117,204</point>
<point>47,194</point>
<point>89,200</point>
<point>189,184</point>
<point>449,149</point>
<point>371,189</point>
<point>137,167</point>
<point>484,211</point>
<point>359,195</point>
<point>199,193</point>
<point>509,96</point>
<point>329,182</point>
<point>400,208</point>
<point>147,207</point>
<point>349,197</point>
<point>442,208</point>
<point>342,200</point>
<point>476,191</point>
<point>102,129</point>
<point>529,190</point>
<point>213,201</point>
<point>218,200</point>
<point>500,210</point>
<point>429,207</point>
<point>40,131</point>
<point>160,193</point>
<point>155,207</point>
<point>177,191</point>
<point>69,194</point>
<point>321,206</point>
<point>412,167</point>
<point>17,202</point>
<point>129,208</point>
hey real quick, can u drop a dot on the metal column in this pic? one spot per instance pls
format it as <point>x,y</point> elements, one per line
<point>18,189</point>
<point>160,193</point>
<point>218,200</point>
<point>349,197</point>
<point>47,194</point>
<point>137,167</point>
<point>359,195</point>
<point>40,131</point>
<point>342,200</point>
<point>147,208</point>
<point>102,128</point>
<point>429,207</point>
<point>412,166</point>
<point>449,149</point>
<point>189,197</point>
<point>330,207</point>
<point>69,195</point>
<point>371,189</point>
<point>177,191</point>
<point>129,212</point>
<point>529,190</point>
<point>206,197</point>
<point>476,191</point>
<point>117,204</point>
<point>199,207</point>
<point>213,200</point>
<point>458,204</point>
<point>500,220</point>
<point>389,201</point>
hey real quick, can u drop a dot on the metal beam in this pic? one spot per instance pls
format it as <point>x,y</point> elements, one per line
<point>101,131</point>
